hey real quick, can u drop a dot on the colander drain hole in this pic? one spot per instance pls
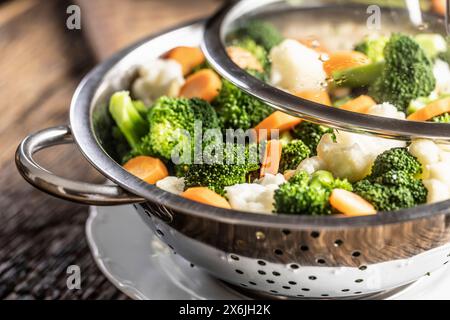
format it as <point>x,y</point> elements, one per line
<point>356,254</point>
<point>278,252</point>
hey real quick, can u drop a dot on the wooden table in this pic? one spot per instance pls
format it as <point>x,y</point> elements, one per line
<point>42,62</point>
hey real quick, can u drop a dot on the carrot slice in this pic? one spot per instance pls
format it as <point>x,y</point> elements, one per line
<point>314,44</point>
<point>206,196</point>
<point>351,204</point>
<point>360,104</point>
<point>344,60</point>
<point>272,157</point>
<point>188,57</point>
<point>434,109</point>
<point>440,7</point>
<point>276,121</point>
<point>319,96</point>
<point>146,168</point>
<point>204,84</point>
<point>244,59</point>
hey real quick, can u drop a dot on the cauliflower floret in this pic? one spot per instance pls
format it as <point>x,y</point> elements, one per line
<point>437,191</point>
<point>440,171</point>
<point>311,165</point>
<point>435,160</point>
<point>270,179</point>
<point>386,110</point>
<point>441,71</point>
<point>171,184</point>
<point>296,67</point>
<point>351,155</point>
<point>158,78</point>
<point>255,197</point>
<point>426,151</point>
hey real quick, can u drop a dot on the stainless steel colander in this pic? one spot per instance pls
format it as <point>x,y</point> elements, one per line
<point>279,255</point>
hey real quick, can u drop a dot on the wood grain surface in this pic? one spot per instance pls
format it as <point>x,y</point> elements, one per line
<point>41,64</point>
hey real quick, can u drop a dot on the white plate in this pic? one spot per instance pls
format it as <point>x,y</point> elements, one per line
<point>141,266</point>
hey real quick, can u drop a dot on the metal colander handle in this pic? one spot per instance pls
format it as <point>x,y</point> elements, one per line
<point>81,192</point>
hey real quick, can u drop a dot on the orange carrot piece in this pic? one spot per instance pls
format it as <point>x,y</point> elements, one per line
<point>244,59</point>
<point>204,84</point>
<point>360,104</point>
<point>434,109</point>
<point>318,96</point>
<point>188,57</point>
<point>277,121</point>
<point>146,168</point>
<point>440,7</point>
<point>344,60</point>
<point>272,157</point>
<point>314,44</point>
<point>350,204</point>
<point>206,196</point>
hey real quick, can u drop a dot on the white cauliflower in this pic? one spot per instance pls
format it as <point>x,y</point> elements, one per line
<point>255,197</point>
<point>386,110</point>
<point>171,184</point>
<point>435,160</point>
<point>437,191</point>
<point>160,77</point>
<point>351,155</point>
<point>311,165</point>
<point>441,71</point>
<point>296,67</point>
<point>426,151</point>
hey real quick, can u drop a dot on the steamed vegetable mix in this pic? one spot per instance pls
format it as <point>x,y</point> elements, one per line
<point>197,135</point>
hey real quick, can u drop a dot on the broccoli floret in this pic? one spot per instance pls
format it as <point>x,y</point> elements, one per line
<point>263,33</point>
<point>307,195</point>
<point>373,48</point>
<point>392,184</point>
<point>443,118</point>
<point>172,123</point>
<point>407,73</point>
<point>310,134</point>
<point>238,110</point>
<point>127,118</point>
<point>256,50</point>
<point>233,169</point>
<point>292,154</point>
<point>396,159</point>
<point>393,191</point>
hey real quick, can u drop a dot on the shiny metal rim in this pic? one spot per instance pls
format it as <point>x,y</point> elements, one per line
<point>217,56</point>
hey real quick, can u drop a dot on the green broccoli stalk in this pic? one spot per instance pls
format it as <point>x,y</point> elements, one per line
<point>307,195</point>
<point>263,33</point>
<point>292,154</point>
<point>238,110</point>
<point>357,77</point>
<point>127,118</point>
<point>432,43</point>
<point>392,184</point>
<point>234,168</point>
<point>172,124</point>
<point>407,74</point>
<point>310,134</point>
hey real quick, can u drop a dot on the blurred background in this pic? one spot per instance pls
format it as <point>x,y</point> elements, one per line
<point>41,63</point>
